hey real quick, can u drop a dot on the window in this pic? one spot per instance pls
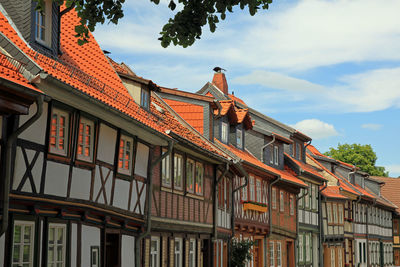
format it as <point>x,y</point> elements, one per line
<point>192,253</point>
<point>125,155</point>
<point>314,197</point>
<point>178,171</point>
<point>59,132</point>
<point>308,248</point>
<point>199,178</point>
<point>224,132</point>
<point>56,245</point>
<point>274,198</point>
<point>154,251</point>
<point>271,254</point>
<point>85,140</point>
<point>251,188</point>
<point>281,201</point>
<point>190,170</point>
<point>307,197</point>
<point>258,190</point>
<point>43,24</point>
<point>244,190</point>
<point>329,211</point>
<point>291,205</point>
<point>271,158</point>
<point>178,252</point>
<point>340,211</point>
<point>301,248</point>
<point>335,217</point>
<point>333,256</point>
<point>239,138</point>
<point>278,254</point>
<point>144,98</point>
<point>166,170</point>
<point>301,200</point>
<point>276,155</point>
<point>298,151</point>
<point>22,249</point>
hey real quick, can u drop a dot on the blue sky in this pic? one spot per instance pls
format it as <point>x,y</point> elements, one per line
<point>330,68</point>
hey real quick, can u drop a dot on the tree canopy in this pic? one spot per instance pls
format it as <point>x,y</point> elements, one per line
<point>362,156</point>
<point>183,29</point>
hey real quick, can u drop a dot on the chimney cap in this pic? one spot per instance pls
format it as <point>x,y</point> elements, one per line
<point>218,69</point>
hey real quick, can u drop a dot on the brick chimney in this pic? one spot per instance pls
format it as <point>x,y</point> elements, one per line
<point>219,80</point>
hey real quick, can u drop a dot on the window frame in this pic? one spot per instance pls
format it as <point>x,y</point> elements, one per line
<point>258,190</point>
<point>63,245</point>
<point>271,253</point>
<point>224,132</point>
<point>301,248</point>
<point>291,205</point>
<point>166,170</point>
<point>193,262</point>
<point>48,14</point>
<point>178,240</point>
<point>189,161</point>
<point>273,192</point>
<point>22,243</point>
<point>182,170</point>
<point>122,170</point>
<point>239,137</point>
<point>244,195</point>
<point>156,252</point>
<point>67,129</point>
<point>281,201</point>
<point>199,180</point>
<point>92,124</point>
<point>145,98</point>
<point>278,254</point>
<point>276,155</point>
<point>252,193</point>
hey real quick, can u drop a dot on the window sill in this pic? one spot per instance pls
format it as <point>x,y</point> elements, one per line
<point>191,195</point>
<point>84,164</point>
<point>166,189</point>
<point>58,158</point>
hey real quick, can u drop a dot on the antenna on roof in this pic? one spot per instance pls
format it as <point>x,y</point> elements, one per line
<point>106,52</point>
<point>218,69</point>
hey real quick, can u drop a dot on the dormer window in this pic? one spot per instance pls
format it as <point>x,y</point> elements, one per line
<point>145,98</point>
<point>276,155</point>
<point>43,24</point>
<point>224,132</point>
<point>239,138</point>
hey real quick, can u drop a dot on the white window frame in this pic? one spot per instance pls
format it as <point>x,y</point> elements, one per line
<point>155,254</point>
<point>166,170</point>
<point>244,190</point>
<point>145,98</point>
<point>301,248</point>
<point>340,257</point>
<point>178,253</point>
<point>308,248</point>
<point>239,138</point>
<point>271,158</point>
<point>273,198</point>
<point>291,204</point>
<point>86,122</point>
<point>56,149</point>
<point>192,163</point>
<point>47,18</point>
<point>122,169</point>
<point>192,252</point>
<point>22,243</point>
<point>329,212</point>
<point>199,178</point>
<point>281,201</point>
<point>340,213</point>
<point>251,189</point>
<point>335,215</point>
<point>57,227</point>
<point>258,191</point>
<point>276,155</point>
<point>224,132</point>
<point>278,254</point>
<point>178,171</point>
<point>271,254</point>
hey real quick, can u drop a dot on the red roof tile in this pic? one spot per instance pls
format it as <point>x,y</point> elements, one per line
<point>333,192</point>
<point>191,113</point>
<point>237,99</point>
<point>16,77</point>
<point>391,190</point>
<point>306,167</point>
<point>247,157</point>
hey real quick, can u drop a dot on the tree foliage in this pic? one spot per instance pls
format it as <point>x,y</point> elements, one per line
<point>240,252</point>
<point>362,156</point>
<point>183,29</point>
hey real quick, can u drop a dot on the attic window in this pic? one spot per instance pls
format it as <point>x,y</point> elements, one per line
<point>145,99</point>
<point>43,24</point>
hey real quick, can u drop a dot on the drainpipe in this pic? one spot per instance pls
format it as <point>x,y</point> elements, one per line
<point>264,146</point>
<point>305,148</point>
<point>356,206</point>
<point>10,142</point>
<point>297,220</point>
<point>270,204</point>
<point>246,181</point>
<point>149,202</point>
<point>321,229</point>
<point>216,200</point>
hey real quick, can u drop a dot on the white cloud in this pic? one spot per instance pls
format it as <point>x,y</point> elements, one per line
<point>372,126</point>
<point>394,170</point>
<point>316,129</point>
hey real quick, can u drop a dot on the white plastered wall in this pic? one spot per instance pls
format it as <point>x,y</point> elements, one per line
<point>90,237</point>
<point>106,147</point>
<point>142,159</point>
<point>37,131</point>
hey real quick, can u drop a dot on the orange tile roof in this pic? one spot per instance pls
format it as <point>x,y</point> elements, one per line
<point>226,105</point>
<point>237,99</point>
<point>306,167</point>
<point>381,200</point>
<point>249,158</point>
<point>16,77</point>
<point>191,113</point>
<point>333,192</point>
<point>390,190</point>
<point>315,151</point>
<point>120,67</point>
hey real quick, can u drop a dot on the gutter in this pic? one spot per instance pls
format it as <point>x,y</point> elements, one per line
<point>321,229</point>
<point>216,200</point>
<point>149,201</point>
<point>264,146</point>
<point>297,220</point>
<point>10,142</point>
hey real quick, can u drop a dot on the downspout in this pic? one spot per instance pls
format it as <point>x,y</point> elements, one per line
<point>321,229</point>
<point>216,200</point>
<point>270,204</point>
<point>305,148</point>
<point>10,142</point>
<point>297,221</point>
<point>356,206</point>
<point>264,146</point>
<point>246,181</point>
<point>149,202</point>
